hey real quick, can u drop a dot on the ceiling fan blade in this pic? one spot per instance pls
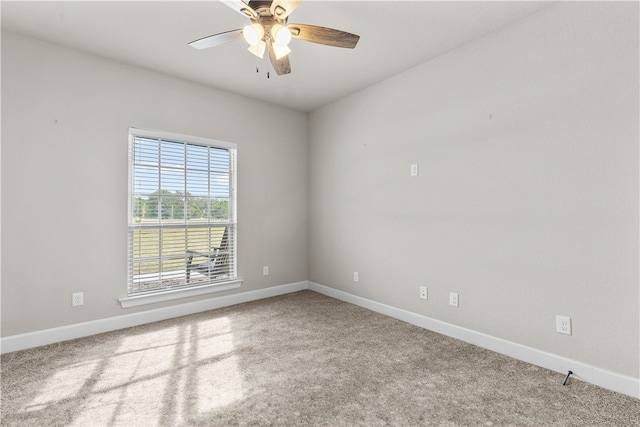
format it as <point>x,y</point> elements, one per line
<point>241,7</point>
<point>282,65</point>
<point>216,39</point>
<point>323,35</point>
<point>282,8</point>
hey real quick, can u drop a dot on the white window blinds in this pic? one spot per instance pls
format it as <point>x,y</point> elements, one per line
<point>182,221</point>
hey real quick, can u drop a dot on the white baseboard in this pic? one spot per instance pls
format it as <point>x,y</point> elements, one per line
<point>582,371</point>
<point>79,330</point>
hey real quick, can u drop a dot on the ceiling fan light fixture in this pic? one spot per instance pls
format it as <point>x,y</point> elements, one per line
<point>258,49</point>
<point>280,51</point>
<point>268,31</point>
<point>281,34</point>
<point>253,33</point>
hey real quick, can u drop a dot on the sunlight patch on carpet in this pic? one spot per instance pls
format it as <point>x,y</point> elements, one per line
<point>220,384</point>
<point>165,377</point>
<point>65,384</point>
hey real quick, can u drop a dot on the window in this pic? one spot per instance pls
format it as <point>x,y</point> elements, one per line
<point>182,219</point>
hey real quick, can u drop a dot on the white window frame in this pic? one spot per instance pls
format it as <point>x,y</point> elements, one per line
<point>184,290</point>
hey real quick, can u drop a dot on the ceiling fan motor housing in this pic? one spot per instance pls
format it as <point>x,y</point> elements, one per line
<point>265,17</point>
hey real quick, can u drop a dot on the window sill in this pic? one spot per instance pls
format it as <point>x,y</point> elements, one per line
<point>174,294</point>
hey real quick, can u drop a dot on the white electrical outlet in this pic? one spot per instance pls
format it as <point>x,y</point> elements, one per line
<point>414,169</point>
<point>77,298</point>
<point>453,299</point>
<point>265,270</point>
<point>563,325</point>
<point>356,276</point>
<point>423,292</point>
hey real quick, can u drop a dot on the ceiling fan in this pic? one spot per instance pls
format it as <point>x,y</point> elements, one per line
<point>270,31</point>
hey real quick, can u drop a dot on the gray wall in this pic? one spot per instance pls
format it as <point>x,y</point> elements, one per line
<point>65,117</point>
<point>526,203</point>
<point>527,199</point>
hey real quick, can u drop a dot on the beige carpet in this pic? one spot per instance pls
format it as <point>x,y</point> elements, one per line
<point>298,359</point>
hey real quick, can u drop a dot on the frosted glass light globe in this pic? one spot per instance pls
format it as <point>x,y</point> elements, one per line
<point>281,34</point>
<point>253,33</point>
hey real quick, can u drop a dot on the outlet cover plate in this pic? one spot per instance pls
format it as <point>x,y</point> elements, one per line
<point>77,298</point>
<point>563,325</point>
<point>453,299</point>
<point>424,292</point>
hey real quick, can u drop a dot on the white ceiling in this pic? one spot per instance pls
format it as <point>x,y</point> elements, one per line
<point>395,36</point>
